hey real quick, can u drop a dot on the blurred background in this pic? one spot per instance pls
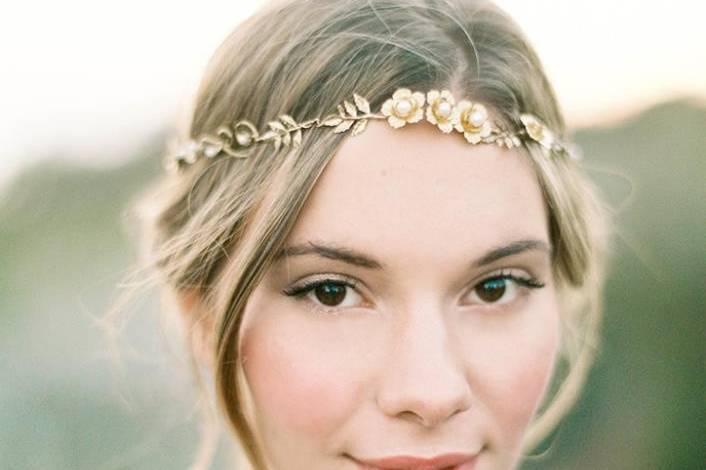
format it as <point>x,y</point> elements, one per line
<point>90,90</point>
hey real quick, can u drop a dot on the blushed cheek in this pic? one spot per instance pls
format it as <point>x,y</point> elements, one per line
<point>296,387</point>
<point>525,381</point>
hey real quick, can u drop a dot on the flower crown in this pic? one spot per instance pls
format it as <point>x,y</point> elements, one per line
<point>405,107</point>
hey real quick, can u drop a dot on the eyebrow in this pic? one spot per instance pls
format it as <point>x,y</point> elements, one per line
<point>325,250</point>
<point>512,248</point>
<point>353,257</point>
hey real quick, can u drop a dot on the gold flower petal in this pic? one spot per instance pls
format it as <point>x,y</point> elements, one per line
<point>446,95</point>
<point>432,96</point>
<point>486,130</point>
<point>459,110</point>
<point>537,130</point>
<point>417,116</point>
<point>402,93</point>
<point>430,115</point>
<point>472,137</point>
<point>446,127</point>
<point>548,140</point>
<point>387,108</point>
<point>396,122</point>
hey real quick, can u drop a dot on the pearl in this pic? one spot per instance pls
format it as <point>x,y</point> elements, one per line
<point>211,151</point>
<point>243,138</point>
<point>444,109</point>
<point>190,157</point>
<point>478,117</point>
<point>403,107</point>
<point>535,130</point>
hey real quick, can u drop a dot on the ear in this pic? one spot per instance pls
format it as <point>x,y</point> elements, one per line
<point>198,325</point>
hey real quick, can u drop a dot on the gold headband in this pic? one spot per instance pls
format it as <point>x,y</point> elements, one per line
<point>405,107</point>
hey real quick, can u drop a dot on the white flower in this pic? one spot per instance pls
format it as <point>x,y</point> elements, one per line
<point>440,109</point>
<point>404,107</point>
<point>537,130</point>
<point>472,119</point>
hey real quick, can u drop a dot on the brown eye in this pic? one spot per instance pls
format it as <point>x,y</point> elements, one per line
<point>491,290</point>
<point>330,294</point>
<point>503,289</point>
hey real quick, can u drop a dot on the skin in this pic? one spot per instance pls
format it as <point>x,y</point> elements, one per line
<point>412,361</point>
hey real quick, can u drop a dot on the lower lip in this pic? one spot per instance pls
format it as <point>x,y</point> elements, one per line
<point>468,465</point>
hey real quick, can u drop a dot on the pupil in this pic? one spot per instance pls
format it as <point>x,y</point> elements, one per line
<point>330,294</point>
<point>491,291</point>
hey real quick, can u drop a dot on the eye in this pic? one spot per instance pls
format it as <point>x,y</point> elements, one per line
<point>502,289</point>
<point>327,293</point>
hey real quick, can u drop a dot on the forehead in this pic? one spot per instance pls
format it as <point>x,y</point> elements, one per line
<point>420,194</point>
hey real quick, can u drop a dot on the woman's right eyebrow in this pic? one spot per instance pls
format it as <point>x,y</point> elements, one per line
<point>347,255</point>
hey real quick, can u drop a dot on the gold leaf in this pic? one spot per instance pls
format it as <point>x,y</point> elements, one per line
<point>268,135</point>
<point>350,109</point>
<point>286,139</point>
<point>359,127</point>
<point>362,103</point>
<point>277,142</point>
<point>287,119</point>
<point>343,127</point>
<point>307,124</point>
<point>297,139</point>
<point>276,126</point>
<point>341,111</point>
<point>332,121</point>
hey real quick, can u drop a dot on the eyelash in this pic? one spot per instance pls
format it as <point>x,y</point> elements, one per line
<point>300,291</point>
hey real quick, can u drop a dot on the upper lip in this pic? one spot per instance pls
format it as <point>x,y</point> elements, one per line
<point>405,462</point>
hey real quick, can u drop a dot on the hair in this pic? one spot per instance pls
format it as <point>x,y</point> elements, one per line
<point>213,229</point>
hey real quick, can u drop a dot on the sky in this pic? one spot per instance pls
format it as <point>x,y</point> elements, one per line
<point>93,80</point>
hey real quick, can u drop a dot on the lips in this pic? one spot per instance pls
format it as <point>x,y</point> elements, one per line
<point>403,462</point>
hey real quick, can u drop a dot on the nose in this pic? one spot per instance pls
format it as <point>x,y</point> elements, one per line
<point>424,380</point>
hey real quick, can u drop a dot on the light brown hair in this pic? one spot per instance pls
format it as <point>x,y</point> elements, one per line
<point>212,230</point>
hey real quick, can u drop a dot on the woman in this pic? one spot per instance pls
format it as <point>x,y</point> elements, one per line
<point>384,251</point>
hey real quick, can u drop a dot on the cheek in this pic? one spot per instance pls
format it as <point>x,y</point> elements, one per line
<point>527,376</point>
<point>299,380</point>
<point>517,363</point>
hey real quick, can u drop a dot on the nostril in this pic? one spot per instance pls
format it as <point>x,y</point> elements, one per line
<point>425,381</point>
<point>428,413</point>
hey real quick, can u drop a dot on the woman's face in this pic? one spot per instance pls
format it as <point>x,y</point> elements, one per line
<point>412,313</point>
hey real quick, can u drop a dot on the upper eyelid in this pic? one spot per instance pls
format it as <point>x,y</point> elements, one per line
<point>499,272</point>
<point>496,272</point>
<point>314,278</point>
<point>352,282</point>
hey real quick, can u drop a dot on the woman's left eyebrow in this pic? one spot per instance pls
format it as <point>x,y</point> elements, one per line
<point>511,249</point>
<point>350,256</point>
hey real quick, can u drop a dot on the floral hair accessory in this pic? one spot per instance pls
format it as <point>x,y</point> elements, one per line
<point>404,107</point>
<point>472,119</point>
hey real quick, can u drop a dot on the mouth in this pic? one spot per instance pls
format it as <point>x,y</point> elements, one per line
<point>457,461</point>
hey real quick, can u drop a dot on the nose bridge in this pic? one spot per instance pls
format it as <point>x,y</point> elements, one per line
<point>424,379</point>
